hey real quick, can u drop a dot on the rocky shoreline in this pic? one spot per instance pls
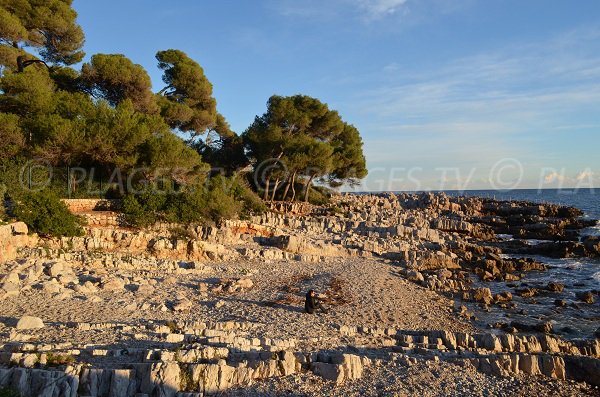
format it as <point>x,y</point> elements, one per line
<point>413,280</point>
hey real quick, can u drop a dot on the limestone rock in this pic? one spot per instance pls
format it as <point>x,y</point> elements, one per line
<point>30,322</point>
<point>328,371</point>
<point>113,284</point>
<point>415,276</point>
<point>483,295</point>
<point>182,305</point>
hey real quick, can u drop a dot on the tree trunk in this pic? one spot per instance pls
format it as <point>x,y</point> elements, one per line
<point>275,189</point>
<point>307,188</point>
<point>293,187</point>
<point>266,194</point>
<point>287,189</point>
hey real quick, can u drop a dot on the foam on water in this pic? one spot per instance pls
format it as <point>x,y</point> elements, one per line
<point>536,242</point>
<point>507,237</point>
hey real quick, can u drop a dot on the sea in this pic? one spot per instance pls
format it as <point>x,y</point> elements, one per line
<point>578,274</point>
<point>577,319</point>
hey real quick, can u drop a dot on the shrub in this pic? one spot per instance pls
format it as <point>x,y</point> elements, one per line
<point>143,209</point>
<point>2,197</point>
<point>319,195</point>
<point>55,360</point>
<point>219,198</point>
<point>251,203</point>
<point>45,214</point>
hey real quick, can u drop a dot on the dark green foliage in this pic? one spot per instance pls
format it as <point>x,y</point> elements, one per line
<point>47,25</point>
<point>11,136</point>
<point>45,214</point>
<point>143,209</point>
<point>115,78</point>
<point>252,204</point>
<point>348,158</point>
<point>222,148</point>
<point>2,197</point>
<point>219,198</point>
<point>186,102</point>
<point>319,195</point>
<point>9,392</point>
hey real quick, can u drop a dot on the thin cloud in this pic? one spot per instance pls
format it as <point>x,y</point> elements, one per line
<point>377,9</point>
<point>412,12</point>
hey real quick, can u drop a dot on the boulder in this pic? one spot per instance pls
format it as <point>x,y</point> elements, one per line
<point>560,303</point>
<point>483,295</point>
<point>503,297</point>
<point>415,276</point>
<point>54,269</point>
<point>19,228</point>
<point>528,292</point>
<point>555,287</point>
<point>587,297</point>
<point>30,322</point>
<point>113,284</point>
<point>328,371</point>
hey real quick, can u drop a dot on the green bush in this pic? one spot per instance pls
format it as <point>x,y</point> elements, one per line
<point>251,203</point>
<point>143,209</point>
<point>219,198</point>
<point>220,202</point>
<point>45,214</point>
<point>185,207</point>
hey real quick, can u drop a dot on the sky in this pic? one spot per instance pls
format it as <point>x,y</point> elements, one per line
<point>447,94</point>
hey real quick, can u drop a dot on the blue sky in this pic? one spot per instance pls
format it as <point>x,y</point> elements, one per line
<point>447,94</point>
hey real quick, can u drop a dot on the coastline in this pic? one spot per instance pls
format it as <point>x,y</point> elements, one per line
<point>390,266</point>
